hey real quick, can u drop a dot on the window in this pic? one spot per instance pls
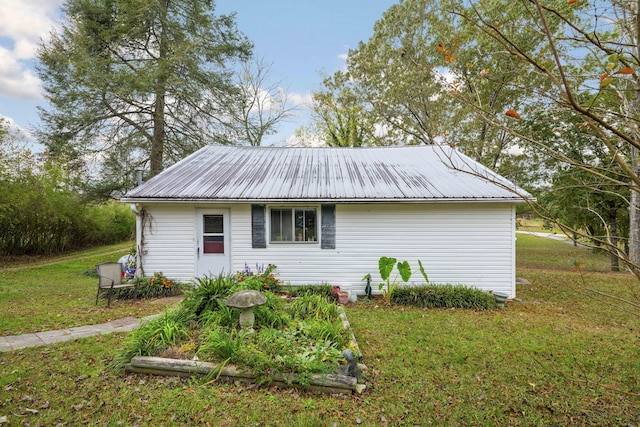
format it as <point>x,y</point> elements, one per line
<point>213,234</point>
<point>294,225</point>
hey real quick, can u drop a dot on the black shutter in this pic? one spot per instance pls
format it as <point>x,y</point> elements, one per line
<point>258,229</point>
<point>328,234</point>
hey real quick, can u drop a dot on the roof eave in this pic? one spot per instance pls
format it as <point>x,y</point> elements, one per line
<point>184,200</point>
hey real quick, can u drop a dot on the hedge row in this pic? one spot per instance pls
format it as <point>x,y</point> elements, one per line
<point>37,218</point>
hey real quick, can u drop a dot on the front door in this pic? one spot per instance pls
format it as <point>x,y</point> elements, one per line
<point>213,249</point>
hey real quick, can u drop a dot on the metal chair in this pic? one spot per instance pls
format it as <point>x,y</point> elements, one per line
<point>110,277</point>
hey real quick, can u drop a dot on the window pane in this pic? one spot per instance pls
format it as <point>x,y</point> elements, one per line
<point>213,245</point>
<point>310,233</point>
<point>281,225</point>
<point>300,225</point>
<point>213,224</point>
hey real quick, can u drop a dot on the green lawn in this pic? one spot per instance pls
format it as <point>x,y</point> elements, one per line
<point>557,356</point>
<point>61,295</point>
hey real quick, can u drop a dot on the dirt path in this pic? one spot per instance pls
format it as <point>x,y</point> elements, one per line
<point>62,259</point>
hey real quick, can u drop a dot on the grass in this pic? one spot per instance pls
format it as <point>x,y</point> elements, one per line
<point>555,357</point>
<point>61,295</point>
<point>537,225</point>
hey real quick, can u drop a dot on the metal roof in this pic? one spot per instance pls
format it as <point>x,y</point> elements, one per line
<point>269,174</point>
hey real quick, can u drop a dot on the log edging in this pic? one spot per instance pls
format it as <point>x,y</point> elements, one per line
<point>330,383</point>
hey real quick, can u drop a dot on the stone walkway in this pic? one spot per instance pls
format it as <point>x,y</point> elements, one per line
<point>16,342</point>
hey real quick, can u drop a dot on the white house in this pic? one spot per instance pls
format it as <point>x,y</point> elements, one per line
<point>326,215</point>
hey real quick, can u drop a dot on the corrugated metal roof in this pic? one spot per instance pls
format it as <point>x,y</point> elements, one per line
<point>414,173</point>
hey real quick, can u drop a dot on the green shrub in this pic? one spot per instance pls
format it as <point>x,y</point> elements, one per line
<point>303,338</point>
<point>311,306</point>
<point>208,293</point>
<point>39,216</point>
<point>222,343</point>
<point>444,296</point>
<point>260,281</point>
<point>221,316</point>
<point>323,330</point>
<point>106,223</point>
<point>271,351</point>
<point>272,314</point>
<point>325,290</point>
<point>156,335</point>
<point>157,286</point>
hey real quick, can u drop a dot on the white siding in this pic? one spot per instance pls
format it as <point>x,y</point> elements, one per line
<point>169,236</point>
<point>467,243</point>
<point>471,243</point>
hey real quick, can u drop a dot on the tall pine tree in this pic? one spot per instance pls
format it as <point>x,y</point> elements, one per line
<point>136,81</point>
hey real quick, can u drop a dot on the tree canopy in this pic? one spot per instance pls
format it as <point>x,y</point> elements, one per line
<point>518,86</point>
<point>133,81</point>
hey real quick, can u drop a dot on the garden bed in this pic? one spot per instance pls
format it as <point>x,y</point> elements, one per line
<point>303,342</point>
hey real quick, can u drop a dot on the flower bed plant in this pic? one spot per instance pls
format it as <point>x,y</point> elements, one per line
<point>302,337</point>
<point>156,286</point>
<point>444,296</point>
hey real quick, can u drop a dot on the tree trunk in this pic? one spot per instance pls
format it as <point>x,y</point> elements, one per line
<point>158,138</point>
<point>634,220</point>
<point>634,206</point>
<point>157,143</point>
<point>613,239</point>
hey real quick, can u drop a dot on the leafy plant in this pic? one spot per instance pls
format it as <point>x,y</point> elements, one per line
<point>386,266</point>
<point>156,335</point>
<point>208,293</point>
<point>323,330</point>
<point>325,290</point>
<point>272,314</point>
<point>222,343</point>
<point>444,296</point>
<point>222,316</point>
<point>423,272</point>
<point>313,306</point>
<point>262,280</point>
<point>157,286</point>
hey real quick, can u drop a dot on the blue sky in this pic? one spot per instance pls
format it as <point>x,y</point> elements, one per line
<point>302,39</point>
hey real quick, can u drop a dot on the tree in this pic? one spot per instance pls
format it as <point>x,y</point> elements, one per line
<point>262,105</point>
<point>147,80</point>
<point>479,74</point>
<point>341,119</point>
<point>421,57</point>
<point>572,196</point>
<point>590,56</point>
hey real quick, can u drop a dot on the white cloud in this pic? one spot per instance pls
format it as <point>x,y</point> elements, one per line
<point>17,81</point>
<point>24,23</point>
<point>28,20</point>
<point>301,100</point>
<point>17,132</point>
<point>343,56</point>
